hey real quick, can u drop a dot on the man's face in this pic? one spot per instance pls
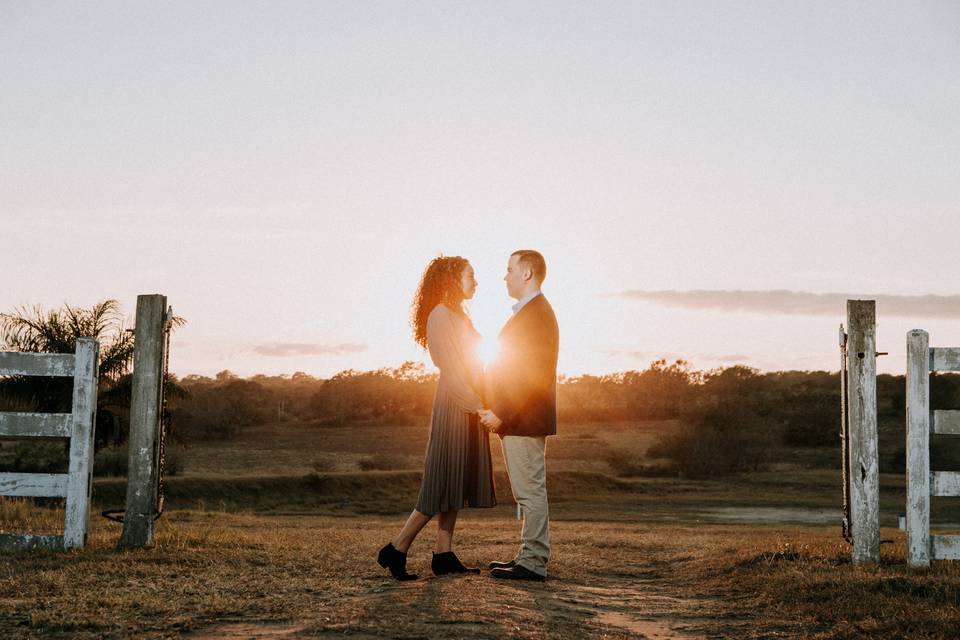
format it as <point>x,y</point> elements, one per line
<point>515,277</point>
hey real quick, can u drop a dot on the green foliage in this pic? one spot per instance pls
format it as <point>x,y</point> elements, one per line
<point>32,329</point>
<point>57,330</point>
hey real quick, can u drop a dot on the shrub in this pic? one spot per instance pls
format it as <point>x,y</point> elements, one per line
<point>726,438</point>
<point>812,420</point>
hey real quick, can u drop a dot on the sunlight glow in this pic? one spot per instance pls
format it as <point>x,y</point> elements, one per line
<point>488,351</point>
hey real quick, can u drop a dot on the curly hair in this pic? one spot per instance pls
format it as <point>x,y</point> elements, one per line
<point>440,284</point>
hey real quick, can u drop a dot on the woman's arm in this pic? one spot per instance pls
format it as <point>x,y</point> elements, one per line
<point>444,341</point>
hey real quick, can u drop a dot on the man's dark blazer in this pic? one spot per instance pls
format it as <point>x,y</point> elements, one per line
<point>521,385</point>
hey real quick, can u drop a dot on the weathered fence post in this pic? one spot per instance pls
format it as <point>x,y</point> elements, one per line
<point>80,471</point>
<point>862,403</point>
<point>148,357</point>
<point>918,448</point>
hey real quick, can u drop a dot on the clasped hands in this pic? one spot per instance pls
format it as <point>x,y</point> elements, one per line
<point>489,420</point>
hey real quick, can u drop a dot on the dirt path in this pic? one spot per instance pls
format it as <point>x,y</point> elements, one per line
<point>615,607</point>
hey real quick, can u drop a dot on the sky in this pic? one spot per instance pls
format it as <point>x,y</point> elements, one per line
<point>707,180</point>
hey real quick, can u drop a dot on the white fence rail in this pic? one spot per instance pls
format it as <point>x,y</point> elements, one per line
<point>76,484</point>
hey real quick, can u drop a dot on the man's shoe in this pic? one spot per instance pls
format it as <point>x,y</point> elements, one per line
<point>502,565</point>
<point>517,572</point>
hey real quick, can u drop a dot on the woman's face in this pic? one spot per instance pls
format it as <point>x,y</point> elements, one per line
<point>468,284</point>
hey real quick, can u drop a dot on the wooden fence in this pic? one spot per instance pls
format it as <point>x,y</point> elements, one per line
<point>921,482</point>
<point>78,426</point>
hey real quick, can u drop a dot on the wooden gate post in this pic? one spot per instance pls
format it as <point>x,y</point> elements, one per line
<point>862,403</point>
<point>918,448</point>
<point>148,356</point>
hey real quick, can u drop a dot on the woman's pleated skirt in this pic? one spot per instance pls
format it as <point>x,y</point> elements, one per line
<point>458,471</point>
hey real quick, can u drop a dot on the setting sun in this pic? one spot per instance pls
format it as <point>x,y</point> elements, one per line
<point>488,350</point>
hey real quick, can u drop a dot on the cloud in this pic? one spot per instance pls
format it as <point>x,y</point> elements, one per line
<point>650,356</point>
<point>285,349</point>
<point>785,302</point>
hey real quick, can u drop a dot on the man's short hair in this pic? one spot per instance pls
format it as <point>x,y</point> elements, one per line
<point>534,261</point>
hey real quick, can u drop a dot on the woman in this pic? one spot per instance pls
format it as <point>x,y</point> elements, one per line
<point>457,471</point>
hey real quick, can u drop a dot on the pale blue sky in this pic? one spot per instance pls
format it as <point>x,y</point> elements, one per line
<point>283,171</point>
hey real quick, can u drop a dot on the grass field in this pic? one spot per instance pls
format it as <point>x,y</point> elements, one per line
<point>274,535</point>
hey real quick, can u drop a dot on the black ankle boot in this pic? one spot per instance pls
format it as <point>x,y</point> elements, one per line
<point>396,562</point>
<point>448,562</point>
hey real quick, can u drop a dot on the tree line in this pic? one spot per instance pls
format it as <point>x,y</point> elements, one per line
<point>727,419</point>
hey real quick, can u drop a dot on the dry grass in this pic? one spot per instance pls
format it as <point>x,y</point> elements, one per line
<point>232,575</point>
<point>275,534</point>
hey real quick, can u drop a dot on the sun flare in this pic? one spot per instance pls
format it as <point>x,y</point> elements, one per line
<point>488,351</point>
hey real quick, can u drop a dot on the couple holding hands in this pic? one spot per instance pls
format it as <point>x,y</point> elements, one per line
<point>514,398</point>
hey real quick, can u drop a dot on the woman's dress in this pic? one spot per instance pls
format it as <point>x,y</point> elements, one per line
<point>457,471</point>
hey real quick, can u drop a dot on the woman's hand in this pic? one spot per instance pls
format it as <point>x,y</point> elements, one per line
<point>489,420</point>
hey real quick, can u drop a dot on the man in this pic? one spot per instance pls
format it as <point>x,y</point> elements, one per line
<point>522,396</point>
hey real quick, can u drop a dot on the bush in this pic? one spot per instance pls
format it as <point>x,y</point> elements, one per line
<point>812,420</point>
<point>727,438</point>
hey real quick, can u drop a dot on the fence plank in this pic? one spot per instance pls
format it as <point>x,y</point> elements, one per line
<point>862,389</point>
<point>945,547</point>
<point>946,422</point>
<point>35,425</point>
<point>26,541</point>
<point>918,448</point>
<point>33,485</point>
<point>15,363</point>
<point>945,483</point>
<point>77,512</point>
<point>945,359</point>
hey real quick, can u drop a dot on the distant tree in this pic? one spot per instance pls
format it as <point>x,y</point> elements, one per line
<point>32,329</point>
<point>662,390</point>
<point>57,331</point>
<point>398,396</point>
<point>220,408</point>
